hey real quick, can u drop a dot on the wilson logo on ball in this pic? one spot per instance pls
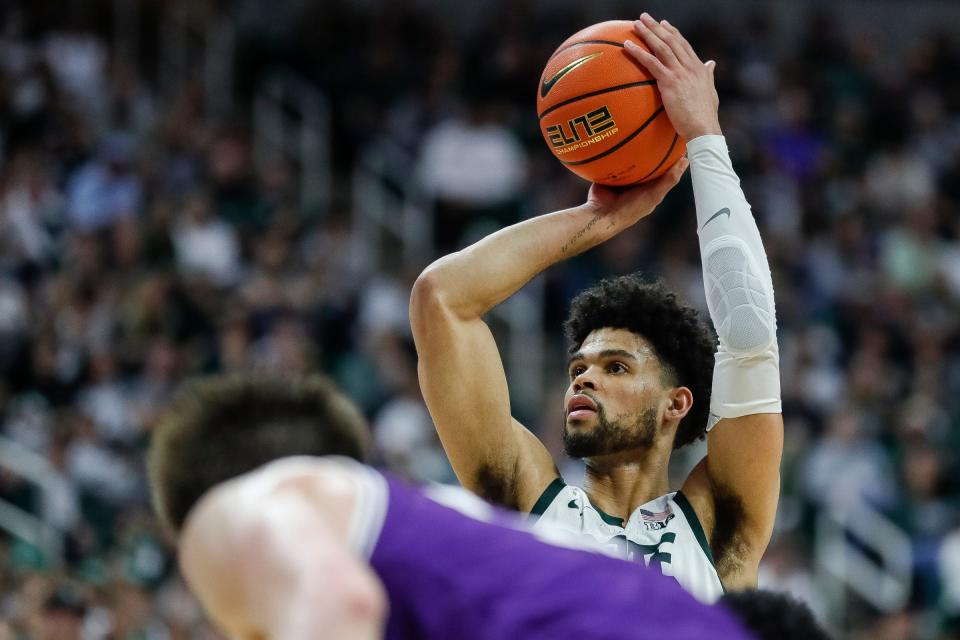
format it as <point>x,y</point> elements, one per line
<point>582,131</point>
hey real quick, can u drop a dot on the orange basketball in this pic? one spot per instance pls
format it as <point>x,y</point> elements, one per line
<point>600,111</point>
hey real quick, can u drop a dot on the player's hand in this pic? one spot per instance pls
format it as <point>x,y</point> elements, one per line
<point>621,207</point>
<point>685,82</point>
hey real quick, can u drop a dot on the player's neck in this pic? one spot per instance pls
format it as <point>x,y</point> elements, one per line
<point>619,483</point>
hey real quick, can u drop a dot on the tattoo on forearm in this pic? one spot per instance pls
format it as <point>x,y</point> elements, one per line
<point>579,234</point>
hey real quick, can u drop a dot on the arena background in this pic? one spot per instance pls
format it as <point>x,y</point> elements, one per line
<point>201,186</point>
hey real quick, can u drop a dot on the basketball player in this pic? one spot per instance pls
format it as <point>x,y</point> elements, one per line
<point>280,540</point>
<point>640,365</point>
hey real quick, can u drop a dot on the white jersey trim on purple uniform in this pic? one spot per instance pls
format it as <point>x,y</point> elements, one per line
<point>370,508</point>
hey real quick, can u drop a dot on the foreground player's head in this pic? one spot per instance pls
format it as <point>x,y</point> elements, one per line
<point>224,426</point>
<point>774,616</point>
<point>641,366</point>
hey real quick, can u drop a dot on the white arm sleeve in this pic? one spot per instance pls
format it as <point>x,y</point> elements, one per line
<point>736,278</point>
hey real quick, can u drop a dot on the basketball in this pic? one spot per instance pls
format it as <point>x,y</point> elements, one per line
<point>600,111</point>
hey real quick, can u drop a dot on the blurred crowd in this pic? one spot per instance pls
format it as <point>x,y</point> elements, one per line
<point>142,242</point>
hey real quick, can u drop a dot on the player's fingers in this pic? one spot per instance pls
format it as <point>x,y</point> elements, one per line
<point>684,50</point>
<point>645,58</point>
<point>656,38</point>
<point>645,28</point>
<point>677,43</point>
<point>670,37</point>
<point>677,170</point>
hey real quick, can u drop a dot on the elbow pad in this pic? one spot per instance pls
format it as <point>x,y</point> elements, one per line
<point>740,300</point>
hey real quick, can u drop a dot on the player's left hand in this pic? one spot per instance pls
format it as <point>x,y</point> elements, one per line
<point>685,82</point>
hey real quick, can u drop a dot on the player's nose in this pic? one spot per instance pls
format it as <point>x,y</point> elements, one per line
<point>584,381</point>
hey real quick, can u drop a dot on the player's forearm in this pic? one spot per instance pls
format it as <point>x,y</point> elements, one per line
<point>722,207</point>
<point>738,286</point>
<point>472,281</point>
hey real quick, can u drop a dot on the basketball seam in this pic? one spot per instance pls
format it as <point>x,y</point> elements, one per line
<point>618,145</point>
<point>644,83</point>
<point>663,159</point>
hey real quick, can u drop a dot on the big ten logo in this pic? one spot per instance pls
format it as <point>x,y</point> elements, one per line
<point>585,126</point>
<point>653,554</point>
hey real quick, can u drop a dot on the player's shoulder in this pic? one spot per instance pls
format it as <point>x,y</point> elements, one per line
<point>348,496</point>
<point>330,479</point>
<point>296,465</point>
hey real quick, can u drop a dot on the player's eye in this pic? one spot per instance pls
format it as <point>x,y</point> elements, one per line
<point>577,370</point>
<point>617,367</point>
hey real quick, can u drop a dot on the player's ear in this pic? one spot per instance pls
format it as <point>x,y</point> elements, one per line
<point>681,401</point>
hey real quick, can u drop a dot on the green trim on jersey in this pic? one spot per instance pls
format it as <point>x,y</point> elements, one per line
<point>695,525</point>
<point>548,496</point>
<point>554,488</point>
<point>606,517</point>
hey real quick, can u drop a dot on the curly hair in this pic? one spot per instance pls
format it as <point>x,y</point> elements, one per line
<point>220,427</point>
<point>682,342</point>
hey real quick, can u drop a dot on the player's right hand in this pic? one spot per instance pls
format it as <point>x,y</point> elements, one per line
<point>621,207</point>
<point>685,82</point>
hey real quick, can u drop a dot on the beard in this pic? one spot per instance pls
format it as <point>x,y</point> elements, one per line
<point>612,436</point>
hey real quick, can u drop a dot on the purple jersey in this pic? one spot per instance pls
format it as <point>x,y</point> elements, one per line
<point>481,577</point>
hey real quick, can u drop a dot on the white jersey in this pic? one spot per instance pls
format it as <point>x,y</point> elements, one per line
<point>664,533</point>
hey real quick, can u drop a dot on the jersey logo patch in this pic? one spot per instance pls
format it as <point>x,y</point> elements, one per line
<point>656,520</point>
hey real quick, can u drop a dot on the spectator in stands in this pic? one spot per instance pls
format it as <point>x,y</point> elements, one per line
<point>106,188</point>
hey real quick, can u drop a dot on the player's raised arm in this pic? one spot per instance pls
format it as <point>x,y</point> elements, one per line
<point>297,575</point>
<point>745,438</point>
<point>460,370</point>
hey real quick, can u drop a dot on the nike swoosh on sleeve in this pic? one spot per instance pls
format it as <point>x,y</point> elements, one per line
<point>548,84</point>
<point>725,211</point>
